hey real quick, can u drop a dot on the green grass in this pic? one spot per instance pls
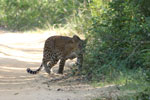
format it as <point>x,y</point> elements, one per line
<point>28,15</point>
<point>133,86</point>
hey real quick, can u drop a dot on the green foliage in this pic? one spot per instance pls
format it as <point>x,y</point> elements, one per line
<point>28,14</point>
<point>119,39</point>
<point>118,50</point>
<point>132,86</point>
<point>118,33</point>
<point>144,95</point>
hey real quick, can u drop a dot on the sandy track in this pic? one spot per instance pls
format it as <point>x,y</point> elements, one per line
<point>19,51</point>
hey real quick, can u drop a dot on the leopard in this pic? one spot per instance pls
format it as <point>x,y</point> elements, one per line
<point>60,48</point>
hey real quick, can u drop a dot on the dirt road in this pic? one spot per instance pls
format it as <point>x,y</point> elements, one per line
<point>21,50</point>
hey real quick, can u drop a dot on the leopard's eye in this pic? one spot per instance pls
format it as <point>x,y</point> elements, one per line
<point>80,45</point>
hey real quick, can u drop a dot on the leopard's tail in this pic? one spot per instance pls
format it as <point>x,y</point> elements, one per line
<point>36,71</point>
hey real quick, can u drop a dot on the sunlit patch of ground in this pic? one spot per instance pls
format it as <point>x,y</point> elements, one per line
<point>22,46</point>
<point>17,52</point>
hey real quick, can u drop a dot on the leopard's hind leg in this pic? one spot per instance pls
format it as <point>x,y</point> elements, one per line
<point>61,66</point>
<point>46,67</point>
<point>49,64</point>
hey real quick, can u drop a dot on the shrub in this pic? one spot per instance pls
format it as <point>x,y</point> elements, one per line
<point>119,39</point>
<point>29,14</point>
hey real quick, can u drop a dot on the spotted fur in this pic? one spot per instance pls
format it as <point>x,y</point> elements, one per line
<point>59,48</point>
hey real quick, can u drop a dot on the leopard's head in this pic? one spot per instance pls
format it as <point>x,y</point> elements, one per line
<point>80,44</point>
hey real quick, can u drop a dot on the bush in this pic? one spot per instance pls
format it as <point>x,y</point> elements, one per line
<point>29,14</point>
<point>119,39</point>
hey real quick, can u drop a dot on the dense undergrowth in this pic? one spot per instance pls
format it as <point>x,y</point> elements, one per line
<point>118,33</point>
<point>118,47</point>
<point>30,14</point>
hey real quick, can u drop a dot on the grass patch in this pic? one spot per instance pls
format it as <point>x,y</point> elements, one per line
<point>132,86</point>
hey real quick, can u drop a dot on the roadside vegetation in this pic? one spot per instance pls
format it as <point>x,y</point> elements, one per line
<point>118,33</point>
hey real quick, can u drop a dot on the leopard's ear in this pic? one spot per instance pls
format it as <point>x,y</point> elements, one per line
<point>76,38</point>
